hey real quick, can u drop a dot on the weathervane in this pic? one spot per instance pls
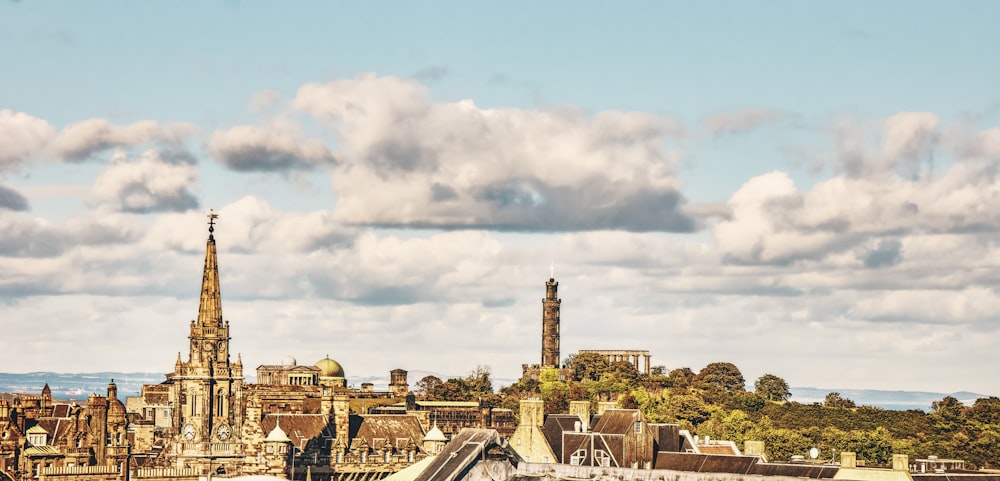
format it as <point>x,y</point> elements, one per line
<point>211,220</point>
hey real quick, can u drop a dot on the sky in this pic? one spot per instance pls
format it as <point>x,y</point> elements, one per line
<point>806,189</point>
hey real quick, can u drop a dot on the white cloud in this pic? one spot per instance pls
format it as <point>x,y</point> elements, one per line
<point>12,199</point>
<point>148,184</point>
<point>872,200</point>
<point>21,137</point>
<point>250,148</point>
<point>406,160</point>
<point>903,144</point>
<point>78,141</point>
<point>741,121</point>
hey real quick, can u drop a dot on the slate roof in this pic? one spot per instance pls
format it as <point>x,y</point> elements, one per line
<point>814,471</point>
<point>42,451</point>
<point>55,427</point>
<point>392,427</point>
<point>411,472</point>
<point>617,421</point>
<point>553,429</point>
<point>727,449</point>
<point>705,463</point>
<point>466,448</point>
<point>60,410</point>
<point>449,404</point>
<point>301,428</point>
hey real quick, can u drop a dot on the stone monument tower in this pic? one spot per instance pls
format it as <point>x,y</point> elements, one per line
<point>550,324</point>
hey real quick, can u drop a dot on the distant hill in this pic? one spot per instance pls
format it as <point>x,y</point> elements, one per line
<point>895,400</point>
<point>77,386</point>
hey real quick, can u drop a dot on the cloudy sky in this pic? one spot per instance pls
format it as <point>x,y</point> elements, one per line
<point>810,189</point>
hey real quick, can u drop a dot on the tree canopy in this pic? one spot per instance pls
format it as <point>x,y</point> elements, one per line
<point>772,388</point>
<point>722,375</point>
<point>714,402</point>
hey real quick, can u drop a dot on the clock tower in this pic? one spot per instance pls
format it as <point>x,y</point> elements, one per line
<point>207,390</point>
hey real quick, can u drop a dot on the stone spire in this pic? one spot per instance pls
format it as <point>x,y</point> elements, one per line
<point>210,307</point>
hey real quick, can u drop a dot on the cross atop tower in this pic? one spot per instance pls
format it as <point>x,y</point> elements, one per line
<point>211,220</point>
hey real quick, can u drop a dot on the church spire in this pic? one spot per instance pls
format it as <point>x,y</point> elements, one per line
<point>210,306</point>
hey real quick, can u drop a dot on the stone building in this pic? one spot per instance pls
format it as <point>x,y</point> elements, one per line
<point>216,424</point>
<point>205,421</point>
<point>42,439</point>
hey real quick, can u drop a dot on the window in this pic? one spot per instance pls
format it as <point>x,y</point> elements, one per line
<point>638,427</point>
<point>577,458</point>
<point>602,458</point>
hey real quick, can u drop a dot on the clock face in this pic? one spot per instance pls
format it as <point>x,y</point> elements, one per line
<point>223,432</point>
<point>189,432</point>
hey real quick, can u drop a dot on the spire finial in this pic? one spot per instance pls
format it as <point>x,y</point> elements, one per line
<point>211,220</point>
<point>552,269</point>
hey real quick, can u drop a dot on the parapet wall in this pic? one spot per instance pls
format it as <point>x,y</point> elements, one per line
<point>554,472</point>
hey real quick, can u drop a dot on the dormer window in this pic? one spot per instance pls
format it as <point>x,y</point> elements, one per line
<point>37,439</point>
<point>602,458</point>
<point>37,436</point>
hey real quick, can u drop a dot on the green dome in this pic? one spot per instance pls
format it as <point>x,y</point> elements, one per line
<point>330,368</point>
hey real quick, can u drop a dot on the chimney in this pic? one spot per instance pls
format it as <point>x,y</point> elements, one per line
<point>581,409</point>
<point>848,459</point>
<point>605,405</point>
<point>342,417</point>
<point>900,462</point>
<point>753,448</point>
<point>532,412</point>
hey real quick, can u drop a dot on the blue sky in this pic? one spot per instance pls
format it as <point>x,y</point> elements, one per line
<point>770,169</point>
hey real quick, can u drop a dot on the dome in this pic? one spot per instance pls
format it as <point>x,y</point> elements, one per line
<point>116,411</point>
<point>277,435</point>
<point>435,434</point>
<point>288,361</point>
<point>330,368</point>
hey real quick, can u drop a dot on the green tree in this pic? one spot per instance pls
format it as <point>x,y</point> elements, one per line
<point>555,392</point>
<point>477,385</point>
<point>724,376</point>
<point>779,444</point>
<point>687,407</point>
<point>428,386</point>
<point>835,400</point>
<point>746,401</point>
<point>680,378</point>
<point>985,410</point>
<point>588,366</point>
<point>947,408</point>
<point>875,447</point>
<point>772,388</point>
<point>625,372</point>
